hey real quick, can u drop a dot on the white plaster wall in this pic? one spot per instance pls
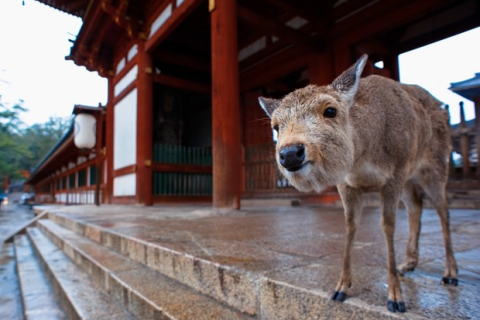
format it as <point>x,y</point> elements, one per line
<point>125,131</point>
<point>132,52</point>
<point>125,185</point>
<point>121,65</point>
<point>160,20</point>
<point>128,78</point>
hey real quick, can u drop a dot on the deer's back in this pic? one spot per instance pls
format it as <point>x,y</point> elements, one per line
<point>397,126</point>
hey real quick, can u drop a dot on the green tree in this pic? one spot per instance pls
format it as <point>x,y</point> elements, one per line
<point>12,150</point>
<point>40,138</point>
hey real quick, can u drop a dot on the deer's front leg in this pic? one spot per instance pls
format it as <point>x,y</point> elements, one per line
<point>390,198</point>
<point>352,203</point>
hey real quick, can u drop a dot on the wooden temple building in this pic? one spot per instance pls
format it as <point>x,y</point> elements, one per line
<point>466,135</point>
<point>182,122</point>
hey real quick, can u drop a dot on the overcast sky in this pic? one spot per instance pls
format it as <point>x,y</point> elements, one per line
<point>34,43</point>
<point>437,65</point>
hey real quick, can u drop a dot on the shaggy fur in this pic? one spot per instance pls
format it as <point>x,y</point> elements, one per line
<point>384,134</point>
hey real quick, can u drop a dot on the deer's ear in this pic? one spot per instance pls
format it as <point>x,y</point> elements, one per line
<point>269,105</point>
<point>347,82</point>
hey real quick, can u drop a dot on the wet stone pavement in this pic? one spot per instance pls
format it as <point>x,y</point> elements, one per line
<point>281,259</point>
<point>12,217</point>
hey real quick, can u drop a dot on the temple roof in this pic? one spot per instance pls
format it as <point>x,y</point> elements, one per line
<point>469,88</point>
<point>74,7</point>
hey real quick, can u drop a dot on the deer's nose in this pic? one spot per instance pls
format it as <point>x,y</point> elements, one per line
<point>292,157</point>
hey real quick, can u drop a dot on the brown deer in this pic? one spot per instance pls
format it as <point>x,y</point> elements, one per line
<point>370,132</point>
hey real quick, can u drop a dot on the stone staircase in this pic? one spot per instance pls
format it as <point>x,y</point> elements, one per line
<point>71,268</point>
<point>64,275</point>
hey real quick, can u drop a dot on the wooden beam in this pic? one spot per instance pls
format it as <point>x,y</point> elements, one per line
<point>182,83</point>
<point>183,60</point>
<point>178,15</point>
<point>125,92</point>
<point>379,18</point>
<point>279,65</point>
<point>161,199</point>
<point>125,170</point>
<point>183,168</point>
<point>257,57</point>
<point>349,7</point>
<point>74,6</point>
<point>298,8</point>
<point>444,32</point>
<point>281,31</point>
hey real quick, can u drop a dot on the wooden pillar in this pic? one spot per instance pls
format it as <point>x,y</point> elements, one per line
<point>110,120</point>
<point>391,64</point>
<point>451,168</point>
<point>464,144</point>
<point>225,106</point>
<point>99,157</point>
<point>321,68</point>
<point>144,192</point>
<point>342,58</point>
<point>476,100</point>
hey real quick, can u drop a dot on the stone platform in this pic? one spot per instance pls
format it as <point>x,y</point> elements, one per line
<point>263,262</point>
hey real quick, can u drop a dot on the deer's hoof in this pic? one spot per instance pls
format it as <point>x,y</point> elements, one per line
<point>450,281</point>
<point>394,306</point>
<point>338,296</point>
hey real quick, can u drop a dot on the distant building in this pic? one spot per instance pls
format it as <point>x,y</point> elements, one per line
<point>469,89</point>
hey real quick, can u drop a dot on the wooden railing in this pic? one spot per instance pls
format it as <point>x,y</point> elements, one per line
<point>261,173</point>
<point>182,171</point>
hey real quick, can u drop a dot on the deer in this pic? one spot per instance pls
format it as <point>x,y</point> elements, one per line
<point>372,132</point>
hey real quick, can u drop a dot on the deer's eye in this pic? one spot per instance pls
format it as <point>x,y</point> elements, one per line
<point>275,127</point>
<point>330,112</point>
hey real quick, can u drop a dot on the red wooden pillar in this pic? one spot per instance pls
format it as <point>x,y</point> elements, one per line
<point>342,58</point>
<point>321,68</point>
<point>464,144</point>
<point>99,158</point>
<point>109,141</point>
<point>225,106</point>
<point>476,100</point>
<point>144,193</point>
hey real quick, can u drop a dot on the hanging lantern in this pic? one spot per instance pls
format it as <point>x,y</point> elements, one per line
<point>85,131</point>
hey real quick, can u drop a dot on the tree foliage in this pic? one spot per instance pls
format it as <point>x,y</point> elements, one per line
<point>41,137</point>
<point>22,147</point>
<point>12,150</point>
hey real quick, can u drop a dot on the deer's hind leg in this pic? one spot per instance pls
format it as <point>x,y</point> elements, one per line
<point>434,185</point>
<point>413,202</point>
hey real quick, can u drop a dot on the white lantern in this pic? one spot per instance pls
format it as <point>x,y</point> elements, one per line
<point>85,131</point>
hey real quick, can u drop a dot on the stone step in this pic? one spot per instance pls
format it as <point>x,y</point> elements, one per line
<point>232,286</point>
<point>39,300</point>
<point>145,293</point>
<point>10,300</point>
<point>79,295</point>
<point>288,292</point>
